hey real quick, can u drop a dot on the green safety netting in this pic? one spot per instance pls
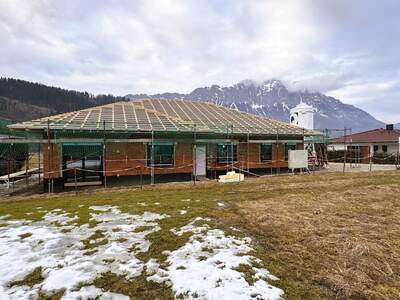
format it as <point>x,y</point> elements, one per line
<point>82,149</point>
<point>3,127</point>
<point>17,151</point>
<point>5,131</point>
<point>77,134</point>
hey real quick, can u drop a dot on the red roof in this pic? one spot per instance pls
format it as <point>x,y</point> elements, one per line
<point>376,135</point>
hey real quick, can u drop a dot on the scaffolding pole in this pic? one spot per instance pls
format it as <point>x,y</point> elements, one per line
<point>277,170</point>
<point>39,164</point>
<point>398,154</point>
<point>27,168</point>
<point>48,155</point>
<point>194,156</point>
<point>104,155</point>
<point>345,150</point>
<point>8,167</point>
<point>231,147</point>
<point>370,159</point>
<point>152,157</point>
<point>14,164</point>
<point>248,151</point>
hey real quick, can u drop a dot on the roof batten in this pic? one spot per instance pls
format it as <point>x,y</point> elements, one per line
<point>165,115</point>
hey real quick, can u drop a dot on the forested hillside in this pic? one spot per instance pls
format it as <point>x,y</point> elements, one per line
<point>23,100</point>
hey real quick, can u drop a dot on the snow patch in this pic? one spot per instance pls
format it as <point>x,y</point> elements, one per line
<point>91,292</point>
<point>206,267</point>
<point>62,255</point>
<point>3,217</point>
<point>101,207</point>
<point>256,106</point>
<point>192,227</point>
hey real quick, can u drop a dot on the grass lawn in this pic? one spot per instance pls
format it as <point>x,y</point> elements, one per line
<point>325,236</point>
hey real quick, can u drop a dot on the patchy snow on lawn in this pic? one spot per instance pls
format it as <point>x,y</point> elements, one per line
<point>210,266</point>
<point>91,292</point>
<point>56,245</point>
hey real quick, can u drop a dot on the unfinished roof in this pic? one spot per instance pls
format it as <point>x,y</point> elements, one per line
<point>379,135</point>
<point>163,115</point>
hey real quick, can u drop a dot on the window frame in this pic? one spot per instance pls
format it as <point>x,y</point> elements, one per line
<point>226,159</point>
<point>160,164</point>
<point>384,148</point>
<point>286,149</point>
<point>262,159</point>
<point>85,158</point>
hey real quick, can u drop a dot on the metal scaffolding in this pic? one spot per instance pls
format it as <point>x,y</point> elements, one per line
<point>62,141</point>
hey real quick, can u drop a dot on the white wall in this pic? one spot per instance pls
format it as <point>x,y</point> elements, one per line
<point>392,147</point>
<point>303,116</point>
<point>336,147</point>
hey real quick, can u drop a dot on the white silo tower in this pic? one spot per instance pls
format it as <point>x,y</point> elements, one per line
<point>302,115</point>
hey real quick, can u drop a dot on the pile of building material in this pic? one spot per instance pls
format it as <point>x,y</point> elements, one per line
<point>231,176</point>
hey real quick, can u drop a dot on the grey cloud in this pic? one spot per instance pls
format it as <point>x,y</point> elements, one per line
<point>343,48</point>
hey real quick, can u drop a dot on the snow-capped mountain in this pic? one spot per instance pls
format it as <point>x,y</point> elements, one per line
<point>272,99</point>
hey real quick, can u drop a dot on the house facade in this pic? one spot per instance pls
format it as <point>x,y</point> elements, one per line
<point>384,141</point>
<point>152,136</point>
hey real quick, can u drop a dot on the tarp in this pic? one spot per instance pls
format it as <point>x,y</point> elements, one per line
<point>82,149</point>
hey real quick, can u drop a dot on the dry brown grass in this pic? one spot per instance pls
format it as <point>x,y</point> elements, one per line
<point>329,242</point>
<point>326,236</point>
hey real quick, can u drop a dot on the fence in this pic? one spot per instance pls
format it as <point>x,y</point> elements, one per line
<point>356,157</point>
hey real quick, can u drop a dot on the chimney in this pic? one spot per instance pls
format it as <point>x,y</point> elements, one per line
<point>389,127</point>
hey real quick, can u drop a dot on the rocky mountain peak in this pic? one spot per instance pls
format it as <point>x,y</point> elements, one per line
<point>272,99</point>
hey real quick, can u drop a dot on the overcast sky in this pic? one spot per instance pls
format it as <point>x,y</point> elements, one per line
<point>347,49</point>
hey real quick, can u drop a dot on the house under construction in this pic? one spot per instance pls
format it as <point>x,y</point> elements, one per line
<point>150,137</point>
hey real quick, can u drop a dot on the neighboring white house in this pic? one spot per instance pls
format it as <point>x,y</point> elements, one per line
<point>379,140</point>
<point>303,116</point>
